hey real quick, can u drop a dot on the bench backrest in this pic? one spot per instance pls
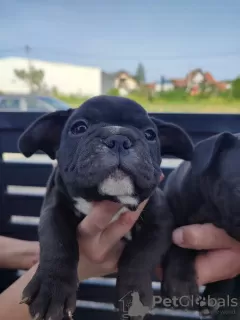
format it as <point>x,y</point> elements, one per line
<point>22,186</point>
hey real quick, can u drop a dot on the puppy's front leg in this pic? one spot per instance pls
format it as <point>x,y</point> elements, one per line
<point>51,294</point>
<point>179,279</point>
<point>141,256</point>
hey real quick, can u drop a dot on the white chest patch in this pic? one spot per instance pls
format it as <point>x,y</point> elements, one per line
<point>82,206</point>
<point>117,184</point>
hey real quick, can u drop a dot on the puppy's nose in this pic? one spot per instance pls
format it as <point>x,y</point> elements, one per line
<point>118,142</point>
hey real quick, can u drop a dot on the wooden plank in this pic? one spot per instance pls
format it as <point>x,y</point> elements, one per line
<point>199,126</point>
<point>22,205</point>
<point>24,232</point>
<point>192,122</point>
<point>96,312</point>
<point>26,174</point>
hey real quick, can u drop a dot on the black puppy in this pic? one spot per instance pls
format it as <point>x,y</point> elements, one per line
<point>205,190</point>
<point>108,149</point>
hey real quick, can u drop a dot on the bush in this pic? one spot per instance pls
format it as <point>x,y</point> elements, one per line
<point>174,95</point>
<point>73,100</point>
<point>113,92</point>
<point>236,88</point>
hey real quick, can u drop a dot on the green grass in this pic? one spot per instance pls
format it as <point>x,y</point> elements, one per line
<point>191,105</point>
<point>72,100</point>
<point>194,108</point>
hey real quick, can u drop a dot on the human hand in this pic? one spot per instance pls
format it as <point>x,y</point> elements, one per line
<point>18,254</point>
<point>221,262</point>
<point>100,243</point>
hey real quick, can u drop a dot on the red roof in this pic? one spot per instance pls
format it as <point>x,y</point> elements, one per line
<point>151,85</point>
<point>221,86</point>
<point>182,83</point>
<point>179,83</point>
<point>209,78</point>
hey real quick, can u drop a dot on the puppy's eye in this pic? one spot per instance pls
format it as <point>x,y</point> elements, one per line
<point>150,135</point>
<point>78,127</point>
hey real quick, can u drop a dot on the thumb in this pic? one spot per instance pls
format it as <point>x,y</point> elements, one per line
<point>202,237</point>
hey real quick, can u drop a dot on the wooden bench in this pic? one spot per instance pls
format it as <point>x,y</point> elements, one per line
<point>22,186</point>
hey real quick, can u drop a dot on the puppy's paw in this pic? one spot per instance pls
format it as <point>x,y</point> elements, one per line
<point>50,297</point>
<point>183,293</point>
<point>134,295</point>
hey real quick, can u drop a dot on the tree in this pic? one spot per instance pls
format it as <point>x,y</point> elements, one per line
<point>236,88</point>
<point>33,77</point>
<point>140,73</point>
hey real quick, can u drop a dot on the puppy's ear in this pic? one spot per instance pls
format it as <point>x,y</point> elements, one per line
<point>174,140</point>
<point>44,134</point>
<point>206,151</point>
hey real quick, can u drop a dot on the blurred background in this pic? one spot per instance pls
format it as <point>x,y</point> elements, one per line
<point>169,55</point>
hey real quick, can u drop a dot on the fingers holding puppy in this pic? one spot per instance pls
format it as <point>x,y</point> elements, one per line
<point>203,237</point>
<point>221,262</point>
<point>100,236</point>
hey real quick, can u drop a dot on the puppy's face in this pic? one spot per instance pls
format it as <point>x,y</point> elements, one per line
<point>108,148</point>
<point>216,161</point>
<point>111,147</point>
<point>217,157</point>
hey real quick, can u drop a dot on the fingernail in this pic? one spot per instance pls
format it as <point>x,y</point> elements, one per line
<point>142,206</point>
<point>178,236</point>
<point>24,300</point>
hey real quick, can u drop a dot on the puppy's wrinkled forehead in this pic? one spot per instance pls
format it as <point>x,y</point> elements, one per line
<point>118,112</point>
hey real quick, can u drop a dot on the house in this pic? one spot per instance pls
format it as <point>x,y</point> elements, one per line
<point>66,78</point>
<point>160,86</point>
<point>164,85</point>
<point>179,83</point>
<point>191,82</point>
<point>197,81</point>
<point>125,83</point>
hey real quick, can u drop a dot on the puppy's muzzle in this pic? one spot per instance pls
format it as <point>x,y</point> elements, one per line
<point>118,143</point>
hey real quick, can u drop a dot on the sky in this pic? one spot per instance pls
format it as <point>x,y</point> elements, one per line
<point>170,37</point>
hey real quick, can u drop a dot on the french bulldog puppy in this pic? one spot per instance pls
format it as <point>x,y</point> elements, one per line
<point>108,149</point>
<point>205,190</point>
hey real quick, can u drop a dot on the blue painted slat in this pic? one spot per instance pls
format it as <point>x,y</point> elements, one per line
<point>26,174</point>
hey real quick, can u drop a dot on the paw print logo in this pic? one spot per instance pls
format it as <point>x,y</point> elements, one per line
<point>201,301</point>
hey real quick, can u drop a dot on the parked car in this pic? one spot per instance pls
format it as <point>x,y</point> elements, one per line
<point>31,103</point>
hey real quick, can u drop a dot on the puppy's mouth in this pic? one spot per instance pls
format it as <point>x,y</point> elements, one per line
<point>119,185</point>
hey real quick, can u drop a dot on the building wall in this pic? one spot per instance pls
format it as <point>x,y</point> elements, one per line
<point>68,79</point>
<point>228,86</point>
<point>107,82</point>
<point>165,87</point>
<point>129,83</point>
<point>198,78</point>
